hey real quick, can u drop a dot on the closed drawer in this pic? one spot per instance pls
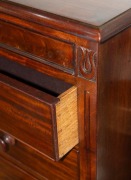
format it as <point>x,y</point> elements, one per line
<point>42,115</point>
<point>46,49</point>
<point>9,171</point>
<point>40,166</point>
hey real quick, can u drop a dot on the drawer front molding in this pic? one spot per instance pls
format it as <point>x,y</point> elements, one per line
<point>49,50</point>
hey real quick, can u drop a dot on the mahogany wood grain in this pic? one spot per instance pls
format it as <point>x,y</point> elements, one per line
<point>11,172</point>
<point>83,11</point>
<point>38,66</point>
<point>44,168</point>
<point>38,114</point>
<point>96,35</point>
<point>25,115</point>
<point>43,47</point>
<point>53,21</point>
<point>114,108</point>
<point>87,118</point>
<point>46,30</point>
<point>91,25</point>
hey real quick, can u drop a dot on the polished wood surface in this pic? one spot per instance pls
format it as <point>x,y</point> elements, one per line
<point>42,167</point>
<point>45,48</point>
<point>11,172</point>
<point>101,32</point>
<point>114,115</point>
<point>39,114</point>
<point>93,58</point>
<point>92,11</point>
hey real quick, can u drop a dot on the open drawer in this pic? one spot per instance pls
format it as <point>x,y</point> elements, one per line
<point>38,110</point>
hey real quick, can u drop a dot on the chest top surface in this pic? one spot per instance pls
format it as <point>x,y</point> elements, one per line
<point>93,12</point>
<point>91,19</point>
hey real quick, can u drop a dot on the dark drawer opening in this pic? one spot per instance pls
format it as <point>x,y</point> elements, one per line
<point>32,77</point>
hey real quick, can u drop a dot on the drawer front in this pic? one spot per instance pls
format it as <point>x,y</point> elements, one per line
<point>43,167</point>
<point>10,172</point>
<point>45,122</point>
<point>45,48</point>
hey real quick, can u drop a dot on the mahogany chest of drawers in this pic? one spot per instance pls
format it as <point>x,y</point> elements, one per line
<point>65,90</point>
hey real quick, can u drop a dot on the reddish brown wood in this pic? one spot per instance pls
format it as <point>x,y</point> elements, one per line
<point>9,171</point>
<point>66,168</point>
<point>82,10</point>
<point>96,14</point>
<point>52,21</point>
<point>114,103</point>
<point>44,48</point>
<point>28,110</point>
<point>88,48</point>
<point>40,67</point>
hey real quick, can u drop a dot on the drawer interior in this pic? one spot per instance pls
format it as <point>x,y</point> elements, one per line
<point>33,78</point>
